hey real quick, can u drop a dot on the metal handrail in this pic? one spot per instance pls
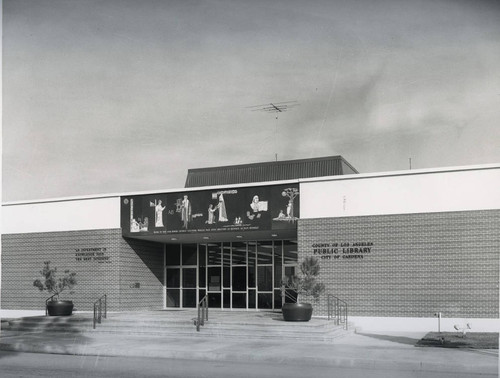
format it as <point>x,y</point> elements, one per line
<point>47,302</point>
<point>202,313</point>
<point>337,310</point>
<point>98,309</point>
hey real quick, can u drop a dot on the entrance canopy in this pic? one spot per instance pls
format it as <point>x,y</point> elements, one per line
<point>219,237</point>
<point>230,236</point>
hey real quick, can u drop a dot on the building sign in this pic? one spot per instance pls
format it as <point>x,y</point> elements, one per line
<point>241,209</point>
<point>98,254</point>
<point>343,250</point>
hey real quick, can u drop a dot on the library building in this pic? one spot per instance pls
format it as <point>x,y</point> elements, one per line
<point>398,247</point>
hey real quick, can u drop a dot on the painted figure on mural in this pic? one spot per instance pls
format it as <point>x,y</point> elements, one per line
<point>185,212</point>
<point>257,210</point>
<point>211,214</point>
<point>144,225</point>
<point>159,214</point>
<point>222,210</point>
<point>134,225</point>
<point>289,214</point>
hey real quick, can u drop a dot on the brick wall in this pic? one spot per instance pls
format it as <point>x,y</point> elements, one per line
<point>419,264</point>
<point>104,263</point>
<point>23,256</point>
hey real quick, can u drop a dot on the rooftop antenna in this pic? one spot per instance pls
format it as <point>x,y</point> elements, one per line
<point>274,107</point>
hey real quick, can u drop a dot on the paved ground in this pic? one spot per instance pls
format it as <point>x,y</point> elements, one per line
<point>366,350</point>
<point>16,365</point>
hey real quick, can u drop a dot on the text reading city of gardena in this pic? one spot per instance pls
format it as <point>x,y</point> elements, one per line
<point>337,251</point>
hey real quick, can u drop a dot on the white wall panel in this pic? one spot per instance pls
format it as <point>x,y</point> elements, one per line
<point>354,195</point>
<point>65,215</point>
<point>405,193</point>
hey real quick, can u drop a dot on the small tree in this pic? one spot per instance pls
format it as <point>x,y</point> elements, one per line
<point>53,285</point>
<point>306,284</point>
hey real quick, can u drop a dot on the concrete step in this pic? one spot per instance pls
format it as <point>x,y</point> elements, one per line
<point>206,331</point>
<point>49,324</point>
<point>297,327</point>
<point>218,328</point>
<point>181,324</point>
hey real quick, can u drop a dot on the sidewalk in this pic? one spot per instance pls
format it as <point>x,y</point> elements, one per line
<point>368,351</point>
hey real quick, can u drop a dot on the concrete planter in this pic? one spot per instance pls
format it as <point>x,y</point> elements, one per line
<point>60,308</point>
<point>297,312</point>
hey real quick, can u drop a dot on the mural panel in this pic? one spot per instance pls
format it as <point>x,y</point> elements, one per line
<point>258,208</point>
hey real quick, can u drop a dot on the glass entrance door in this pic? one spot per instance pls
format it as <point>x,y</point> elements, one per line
<point>290,269</point>
<point>264,274</point>
<point>181,275</point>
<point>173,276</point>
<point>240,275</point>
<point>214,273</point>
<point>189,287</point>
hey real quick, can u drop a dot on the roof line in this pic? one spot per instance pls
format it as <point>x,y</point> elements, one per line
<point>408,172</point>
<point>349,164</point>
<point>269,163</point>
<point>148,192</point>
<point>264,183</point>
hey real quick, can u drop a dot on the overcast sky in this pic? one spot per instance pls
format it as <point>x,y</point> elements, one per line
<point>105,96</point>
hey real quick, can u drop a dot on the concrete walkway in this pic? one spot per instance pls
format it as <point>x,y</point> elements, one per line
<point>366,350</point>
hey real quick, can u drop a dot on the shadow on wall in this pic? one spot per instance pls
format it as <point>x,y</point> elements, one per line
<point>151,255</point>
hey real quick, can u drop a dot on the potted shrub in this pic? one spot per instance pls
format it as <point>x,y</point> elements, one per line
<point>55,286</point>
<point>304,285</point>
